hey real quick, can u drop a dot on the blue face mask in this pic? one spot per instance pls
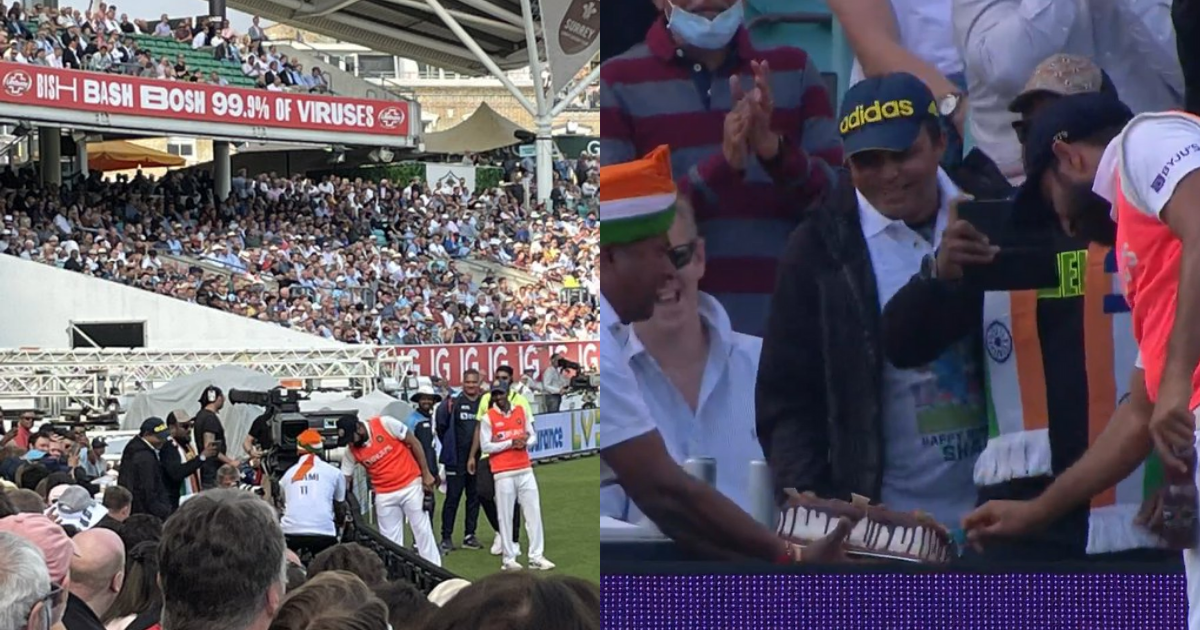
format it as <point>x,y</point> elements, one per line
<point>700,32</point>
<point>34,454</point>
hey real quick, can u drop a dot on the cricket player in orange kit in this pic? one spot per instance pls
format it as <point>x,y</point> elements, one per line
<point>1134,183</point>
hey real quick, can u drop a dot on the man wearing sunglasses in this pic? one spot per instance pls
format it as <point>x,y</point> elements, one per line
<point>180,462</point>
<point>637,208</point>
<point>1055,77</point>
<point>696,375</point>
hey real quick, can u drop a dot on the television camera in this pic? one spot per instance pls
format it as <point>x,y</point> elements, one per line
<point>282,412</point>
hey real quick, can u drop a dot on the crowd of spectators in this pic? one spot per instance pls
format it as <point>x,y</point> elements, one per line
<point>347,259</point>
<point>100,41</point>
<point>126,571</point>
<point>828,239</point>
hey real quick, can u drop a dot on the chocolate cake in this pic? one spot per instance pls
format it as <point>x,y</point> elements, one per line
<point>878,531</point>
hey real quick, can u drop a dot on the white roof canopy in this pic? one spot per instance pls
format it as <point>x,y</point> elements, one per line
<point>410,28</point>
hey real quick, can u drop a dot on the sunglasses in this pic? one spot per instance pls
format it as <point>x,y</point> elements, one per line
<point>681,255</point>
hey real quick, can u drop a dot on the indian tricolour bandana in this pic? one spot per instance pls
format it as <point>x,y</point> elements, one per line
<point>637,199</point>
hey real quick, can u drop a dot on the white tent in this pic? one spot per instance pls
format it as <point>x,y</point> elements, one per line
<point>373,404</point>
<point>184,393</point>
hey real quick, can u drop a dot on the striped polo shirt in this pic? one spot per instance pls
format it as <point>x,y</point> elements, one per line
<point>654,94</point>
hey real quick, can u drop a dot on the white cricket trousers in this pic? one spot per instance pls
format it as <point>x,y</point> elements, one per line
<point>1191,558</point>
<point>519,486</point>
<point>391,510</point>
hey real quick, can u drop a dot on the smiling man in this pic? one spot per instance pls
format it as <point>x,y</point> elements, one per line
<point>833,416</point>
<point>696,375</point>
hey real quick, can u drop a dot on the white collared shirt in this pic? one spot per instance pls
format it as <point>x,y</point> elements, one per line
<point>722,427</point>
<point>934,417</point>
<point>625,413</point>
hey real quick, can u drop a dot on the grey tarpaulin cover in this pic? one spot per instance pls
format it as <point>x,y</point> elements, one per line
<point>184,393</point>
<point>376,403</point>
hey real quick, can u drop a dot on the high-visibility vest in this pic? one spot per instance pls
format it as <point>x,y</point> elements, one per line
<point>1019,404</point>
<point>388,460</point>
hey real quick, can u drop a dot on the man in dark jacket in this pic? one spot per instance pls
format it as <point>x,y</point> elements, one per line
<point>180,464</point>
<point>832,416</point>
<point>141,473</point>
<point>456,422</point>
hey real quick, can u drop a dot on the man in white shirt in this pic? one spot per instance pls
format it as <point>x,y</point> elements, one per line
<point>696,375</point>
<point>636,211</point>
<point>395,461</point>
<point>313,491</point>
<point>1003,41</point>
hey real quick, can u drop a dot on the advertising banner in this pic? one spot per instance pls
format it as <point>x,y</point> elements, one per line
<point>450,361</point>
<point>200,102</point>
<point>585,430</point>
<point>565,433</point>
<point>572,34</point>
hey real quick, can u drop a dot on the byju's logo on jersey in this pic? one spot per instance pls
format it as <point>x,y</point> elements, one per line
<point>1161,179</point>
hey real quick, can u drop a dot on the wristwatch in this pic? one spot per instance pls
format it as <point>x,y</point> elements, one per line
<point>950,103</point>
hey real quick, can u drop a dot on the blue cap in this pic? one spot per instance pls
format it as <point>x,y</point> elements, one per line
<point>1066,119</point>
<point>885,113</point>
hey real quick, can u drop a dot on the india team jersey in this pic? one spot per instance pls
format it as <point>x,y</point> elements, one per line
<point>308,497</point>
<point>1139,172</point>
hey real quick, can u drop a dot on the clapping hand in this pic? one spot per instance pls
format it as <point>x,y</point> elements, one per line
<point>759,105</point>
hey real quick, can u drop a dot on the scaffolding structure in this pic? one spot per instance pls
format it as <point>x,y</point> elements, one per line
<point>54,380</point>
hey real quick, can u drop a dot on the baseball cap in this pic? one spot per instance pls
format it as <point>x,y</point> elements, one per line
<point>99,443</point>
<point>1068,119</point>
<point>885,113</point>
<point>154,426</point>
<point>1063,75</point>
<point>49,537</point>
<point>75,506</point>
<point>500,387</point>
<point>177,416</point>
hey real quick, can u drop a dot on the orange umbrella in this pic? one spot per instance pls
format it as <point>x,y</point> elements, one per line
<point>119,155</point>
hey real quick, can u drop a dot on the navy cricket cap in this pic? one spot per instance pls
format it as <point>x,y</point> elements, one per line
<point>1067,119</point>
<point>885,113</point>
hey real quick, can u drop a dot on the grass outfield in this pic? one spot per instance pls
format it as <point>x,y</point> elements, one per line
<point>570,492</point>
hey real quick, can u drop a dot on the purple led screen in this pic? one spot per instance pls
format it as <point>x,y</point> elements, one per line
<point>922,601</point>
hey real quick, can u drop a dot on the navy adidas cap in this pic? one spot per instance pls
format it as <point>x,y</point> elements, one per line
<point>885,113</point>
<point>1067,119</point>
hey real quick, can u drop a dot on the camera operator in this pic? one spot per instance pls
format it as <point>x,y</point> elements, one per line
<point>314,495</point>
<point>209,432</point>
<point>395,462</point>
<point>259,440</point>
<point>554,383</point>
